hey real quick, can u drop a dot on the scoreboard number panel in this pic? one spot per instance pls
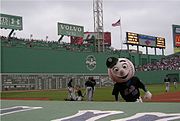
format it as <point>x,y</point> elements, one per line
<point>132,38</point>
<point>160,42</point>
<point>145,40</point>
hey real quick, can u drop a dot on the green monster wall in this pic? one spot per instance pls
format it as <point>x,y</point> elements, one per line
<point>151,77</point>
<point>31,60</point>
<point>35,60</point>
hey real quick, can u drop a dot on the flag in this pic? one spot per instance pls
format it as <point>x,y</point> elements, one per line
<point>118,23</point>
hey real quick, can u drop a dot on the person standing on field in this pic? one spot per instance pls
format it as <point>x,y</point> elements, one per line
<point>167,83</point>
<point>71,91</point>
<point>90,88</point>
<point>175,83</point>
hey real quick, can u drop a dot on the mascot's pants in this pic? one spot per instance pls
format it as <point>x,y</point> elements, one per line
<point>89,93</point>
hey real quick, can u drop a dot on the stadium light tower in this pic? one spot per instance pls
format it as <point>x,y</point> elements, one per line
<point>98,24</point>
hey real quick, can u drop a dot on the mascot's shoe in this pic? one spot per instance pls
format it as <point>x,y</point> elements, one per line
<point>148,95</point>
<point>139,100</point>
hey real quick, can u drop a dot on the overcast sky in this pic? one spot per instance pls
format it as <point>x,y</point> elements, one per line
<point>150,17</point>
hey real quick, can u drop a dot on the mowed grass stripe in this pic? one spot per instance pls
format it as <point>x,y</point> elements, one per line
<point>101,94</point>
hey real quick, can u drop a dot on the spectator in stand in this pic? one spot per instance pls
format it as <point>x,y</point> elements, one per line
<point>168,63</point>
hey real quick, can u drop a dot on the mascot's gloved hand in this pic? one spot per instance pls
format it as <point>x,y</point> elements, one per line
<point>147,95</point>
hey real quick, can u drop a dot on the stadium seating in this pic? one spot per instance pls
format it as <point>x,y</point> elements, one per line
<point>171,62</point>
<point>41,44</point>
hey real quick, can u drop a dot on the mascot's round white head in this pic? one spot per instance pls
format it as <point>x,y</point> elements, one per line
<point>120,69</point>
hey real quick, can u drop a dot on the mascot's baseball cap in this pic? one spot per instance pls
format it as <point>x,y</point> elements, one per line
<point>111,61</point>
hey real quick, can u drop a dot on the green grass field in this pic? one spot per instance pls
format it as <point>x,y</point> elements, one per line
<point>101,94</point>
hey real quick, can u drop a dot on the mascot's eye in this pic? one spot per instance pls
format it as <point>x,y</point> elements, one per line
<point>115,69</point>
<point>125,66</point>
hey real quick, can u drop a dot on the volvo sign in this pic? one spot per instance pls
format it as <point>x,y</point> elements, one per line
<point>70,30</point>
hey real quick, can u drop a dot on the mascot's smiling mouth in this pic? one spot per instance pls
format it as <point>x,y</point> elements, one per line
<point>123,77</point>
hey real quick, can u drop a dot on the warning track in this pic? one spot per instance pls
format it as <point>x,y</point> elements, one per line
<point>167,97</point>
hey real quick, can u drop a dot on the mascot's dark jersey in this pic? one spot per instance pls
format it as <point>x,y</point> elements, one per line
<point>130,90</point>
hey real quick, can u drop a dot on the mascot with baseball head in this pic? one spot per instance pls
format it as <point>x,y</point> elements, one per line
<point>121,71</point>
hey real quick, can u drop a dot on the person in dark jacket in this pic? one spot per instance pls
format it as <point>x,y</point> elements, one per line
<point>79,96</point>
<point>71,91</point>
<point>167,83</point>
<point>90,88</point>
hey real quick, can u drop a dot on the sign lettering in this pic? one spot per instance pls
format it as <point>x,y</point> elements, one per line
<point>10,22</point>
<point>70,30</point>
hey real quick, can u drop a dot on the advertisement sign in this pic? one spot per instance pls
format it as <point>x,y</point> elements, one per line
<point>107,38</point>
<point>70,30</point>
<point>176,37</point>
<point>90,37</point>
<point>76,40</point>
<point>177,40</point>
<point>11,22</point>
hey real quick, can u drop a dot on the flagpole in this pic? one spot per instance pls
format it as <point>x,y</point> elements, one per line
<point>118,23</point>
<point>120,28</point>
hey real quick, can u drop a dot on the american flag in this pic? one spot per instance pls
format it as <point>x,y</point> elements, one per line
<point>118,23</point>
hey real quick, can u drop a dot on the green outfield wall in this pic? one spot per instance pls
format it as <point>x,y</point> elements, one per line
<point>41,67</point>
<point>34,60</point>
<point>154,77</point>
<point>29,60</point>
